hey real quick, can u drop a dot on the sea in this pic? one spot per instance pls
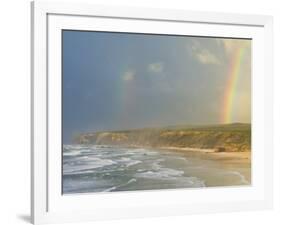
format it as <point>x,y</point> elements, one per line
<point>102,168</point>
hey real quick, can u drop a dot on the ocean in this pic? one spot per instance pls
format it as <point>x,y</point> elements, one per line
<point>100,168</point>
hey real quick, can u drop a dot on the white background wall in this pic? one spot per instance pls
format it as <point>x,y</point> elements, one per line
<point>15,109</point>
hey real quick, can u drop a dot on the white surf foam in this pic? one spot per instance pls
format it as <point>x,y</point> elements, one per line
<point>72,153</point>
<point>90,163</point>
<point>121,185</point>
<point>141,151</point>
<point>162,173</point>
<point>132,163</point>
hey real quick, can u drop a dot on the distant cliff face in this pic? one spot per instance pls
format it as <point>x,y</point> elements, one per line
<point>224,137</point>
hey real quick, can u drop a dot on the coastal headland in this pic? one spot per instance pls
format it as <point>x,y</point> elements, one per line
<point>212,138</point>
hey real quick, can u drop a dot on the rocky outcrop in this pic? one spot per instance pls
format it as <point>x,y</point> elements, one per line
<point>232,137</point>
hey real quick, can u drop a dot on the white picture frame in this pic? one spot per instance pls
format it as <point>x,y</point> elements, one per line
<point>48,205</point>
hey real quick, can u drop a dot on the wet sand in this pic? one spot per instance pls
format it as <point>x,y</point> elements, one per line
<point>236,164</point>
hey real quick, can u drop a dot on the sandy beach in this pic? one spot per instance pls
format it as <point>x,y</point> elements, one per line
<point>238,163</point>
<point>238,157</point>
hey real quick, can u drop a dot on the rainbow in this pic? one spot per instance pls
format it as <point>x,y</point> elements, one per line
<point>231,86</point>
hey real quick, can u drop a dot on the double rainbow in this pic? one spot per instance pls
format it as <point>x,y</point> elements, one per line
<point>231,86</point>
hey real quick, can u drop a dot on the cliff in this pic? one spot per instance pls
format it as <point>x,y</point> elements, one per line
<point>229,137</point>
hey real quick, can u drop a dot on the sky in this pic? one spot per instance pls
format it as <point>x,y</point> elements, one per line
<point>115,81</point>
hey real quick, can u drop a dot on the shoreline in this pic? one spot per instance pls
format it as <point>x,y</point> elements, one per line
<point>206,153</point>
<point>238,163</point>
<point>213,167</point>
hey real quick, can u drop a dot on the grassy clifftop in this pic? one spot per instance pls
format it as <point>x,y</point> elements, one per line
<point>229,137</point>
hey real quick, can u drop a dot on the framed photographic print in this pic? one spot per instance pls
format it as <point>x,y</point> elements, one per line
<point>147,112</point>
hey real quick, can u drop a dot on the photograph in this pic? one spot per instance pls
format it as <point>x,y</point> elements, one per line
<point>143,111</point>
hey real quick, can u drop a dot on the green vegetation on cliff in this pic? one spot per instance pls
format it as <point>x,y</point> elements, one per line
<point>228,137</point>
